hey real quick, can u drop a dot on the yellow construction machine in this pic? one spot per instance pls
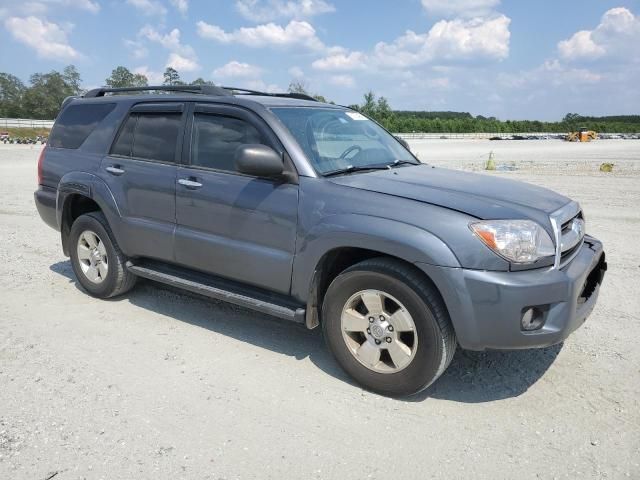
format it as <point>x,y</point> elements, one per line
<point>582,135</point>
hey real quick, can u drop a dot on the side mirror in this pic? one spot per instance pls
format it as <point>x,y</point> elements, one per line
<point>404,143</point>
<point>258,160</point>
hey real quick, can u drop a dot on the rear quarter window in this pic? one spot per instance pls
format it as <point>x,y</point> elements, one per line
<point>76,123</point>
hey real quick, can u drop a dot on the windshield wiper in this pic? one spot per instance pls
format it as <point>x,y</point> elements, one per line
<point>402,162</point>
<point>354,168</point>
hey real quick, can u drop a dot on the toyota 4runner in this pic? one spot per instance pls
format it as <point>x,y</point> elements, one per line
<point>314,213</point>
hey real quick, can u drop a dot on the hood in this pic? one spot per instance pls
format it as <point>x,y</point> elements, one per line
<point>483,196</point>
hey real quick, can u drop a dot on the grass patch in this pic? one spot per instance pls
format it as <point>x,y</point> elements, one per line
<point>23,132</point>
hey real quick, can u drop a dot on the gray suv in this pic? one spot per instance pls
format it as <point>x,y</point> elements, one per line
<point>315,214</point>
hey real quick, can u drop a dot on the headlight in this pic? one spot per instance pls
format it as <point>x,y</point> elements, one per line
<point>519,241</point>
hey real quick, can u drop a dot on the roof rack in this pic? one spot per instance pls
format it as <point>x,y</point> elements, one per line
<point>246,91</point>
<point>201,89</point>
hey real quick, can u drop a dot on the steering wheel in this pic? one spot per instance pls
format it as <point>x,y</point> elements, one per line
<point>352,148</point>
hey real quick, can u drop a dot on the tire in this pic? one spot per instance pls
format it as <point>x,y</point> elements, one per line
<point>431,340</point>
<point>112,278</point>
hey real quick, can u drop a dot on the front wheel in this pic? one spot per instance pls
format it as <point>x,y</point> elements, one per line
<point>387,327</point>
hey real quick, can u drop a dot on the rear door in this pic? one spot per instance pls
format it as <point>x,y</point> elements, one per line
<point>141,172</point>
<point>229,224</point>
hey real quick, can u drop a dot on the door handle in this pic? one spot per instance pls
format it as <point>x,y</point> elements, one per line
<point>190,184</point>
<point>114,170</point>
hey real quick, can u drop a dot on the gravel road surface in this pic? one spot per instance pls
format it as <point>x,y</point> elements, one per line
<point>160,384</point>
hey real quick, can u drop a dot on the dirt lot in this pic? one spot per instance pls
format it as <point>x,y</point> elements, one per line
<point>160,384</point>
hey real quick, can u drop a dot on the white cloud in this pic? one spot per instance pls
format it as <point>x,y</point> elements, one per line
<point>182,57</point>
<point>267,10</point>
<point>48,39</point>
<point>237,69</point>
<point>181,63</point>
<point>470,39</point>
<point>342,80</point>
<point>170,41</point>
<point>580,45</point>
<point>154,78</point>
<point>462,8</point>
<point>41,7</point>
<point>552,73</point>
<point>148,7</point>
<point>616,36</point>
<point>181,5</point>
<point>261,86</point>
<point>137,49</point>
<point>341,61</point>
<point>451,41</point>
<point>294,34</point>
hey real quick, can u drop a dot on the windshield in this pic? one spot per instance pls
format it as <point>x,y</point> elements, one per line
<point>336,140</point>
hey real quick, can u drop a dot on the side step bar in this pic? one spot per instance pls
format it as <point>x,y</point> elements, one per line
<point>219,289</point>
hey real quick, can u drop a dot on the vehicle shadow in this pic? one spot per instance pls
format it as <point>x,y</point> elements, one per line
<point>472,377</point>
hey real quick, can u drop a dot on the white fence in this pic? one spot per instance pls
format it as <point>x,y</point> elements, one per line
<point>432,135</point>
<point>24,123</point>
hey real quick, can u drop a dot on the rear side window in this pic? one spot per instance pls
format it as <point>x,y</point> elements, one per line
<point>76,123</point>
<point>151,136</point>
<point>125,139</point>
<point>216,138</point>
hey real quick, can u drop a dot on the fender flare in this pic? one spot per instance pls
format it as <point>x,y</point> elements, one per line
<point>91,186</point>
<point>389,237</point>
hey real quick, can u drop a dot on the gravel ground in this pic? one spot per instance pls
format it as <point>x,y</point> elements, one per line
<point>160,384</point>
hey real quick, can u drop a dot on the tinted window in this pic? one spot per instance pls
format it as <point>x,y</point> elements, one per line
<point>156,136</point>
<point>153,136</point>
<point>77,122</point>
<point>125,138</point>
<point>216,138</point>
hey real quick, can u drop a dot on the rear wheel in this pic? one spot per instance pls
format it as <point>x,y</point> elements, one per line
<point>387,327</point>
<point>98,262</point>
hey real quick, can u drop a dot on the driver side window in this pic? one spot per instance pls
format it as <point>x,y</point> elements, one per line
<point>215,139</point>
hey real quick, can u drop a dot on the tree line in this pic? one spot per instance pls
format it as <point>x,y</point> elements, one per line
<point>41,99</point>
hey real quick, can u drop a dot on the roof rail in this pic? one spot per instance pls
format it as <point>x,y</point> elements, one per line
<point>245,91</point>
<point>201,89</point>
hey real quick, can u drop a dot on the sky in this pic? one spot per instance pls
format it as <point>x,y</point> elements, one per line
<point>511,59</point>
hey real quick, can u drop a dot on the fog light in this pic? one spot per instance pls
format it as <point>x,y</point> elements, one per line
<point>532,319</point>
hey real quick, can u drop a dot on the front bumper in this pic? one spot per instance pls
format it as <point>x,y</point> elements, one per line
<point>486,307</point>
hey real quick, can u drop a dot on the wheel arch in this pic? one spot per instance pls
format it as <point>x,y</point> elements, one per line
<point>80,193</point>
<point>329,254</point>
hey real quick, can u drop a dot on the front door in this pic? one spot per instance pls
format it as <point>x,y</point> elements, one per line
<point>141,172</point>
<point>229,224</point>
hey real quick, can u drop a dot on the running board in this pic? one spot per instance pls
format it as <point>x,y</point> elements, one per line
<point>220,289</point>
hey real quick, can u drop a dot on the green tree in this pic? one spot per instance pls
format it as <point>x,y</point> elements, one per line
<point>369,106</point>
<point>202,81</point>
<point>11,92</point>
<point>42,100</point>
<point>72,79</point>
<point>383,113</point>
<point>123,77</point>
<point>172,77</point>
<point>298,86</point>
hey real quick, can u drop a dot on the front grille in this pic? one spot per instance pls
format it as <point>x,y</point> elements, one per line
<point>568,225</point>
<point>571,237</point>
